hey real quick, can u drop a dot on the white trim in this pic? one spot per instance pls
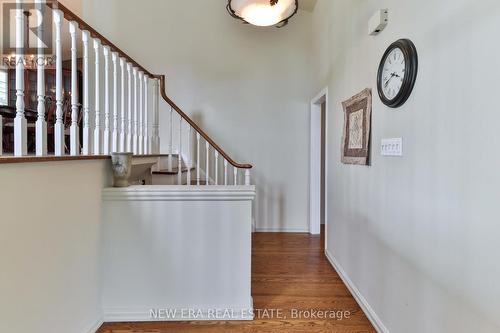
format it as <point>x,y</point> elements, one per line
<point>363,303</point>
<point>113,315</point>
<point>315,162</point>
<point>95,327</point>
<point>180,192</point>
<point>283,229</point>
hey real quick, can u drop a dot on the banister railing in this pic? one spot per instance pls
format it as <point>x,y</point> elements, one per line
<point>196,127</point>
<point>115,127</point>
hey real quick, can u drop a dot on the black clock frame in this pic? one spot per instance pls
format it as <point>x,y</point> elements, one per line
<point>411,68</point>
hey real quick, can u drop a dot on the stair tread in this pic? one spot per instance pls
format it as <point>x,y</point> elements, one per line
<point>174,171</point>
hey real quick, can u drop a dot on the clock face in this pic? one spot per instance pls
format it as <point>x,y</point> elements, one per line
<point>393,73</point>
<point>397,73</point>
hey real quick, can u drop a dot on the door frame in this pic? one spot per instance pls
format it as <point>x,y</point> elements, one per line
<point>315,163</point>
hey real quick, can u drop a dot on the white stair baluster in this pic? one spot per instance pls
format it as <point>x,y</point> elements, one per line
<point>74,130</point>
<point>140,134</point>
<point>207,162</point>
<point>198,158</point>
<point>189,158</point>
<point>146,147</point>
<point>247,177</point>
<point>97,106</point>
<point>123,115</point>
<point>235,171</point>
<point>179,159</point>
<point>216,167</point>
<point>41,124</point>
<point>225,172</point>
<point>115,147</point>
<point>129,109</point>
<point>135,136</point>
<point>59,125</point>
<point>107,130</point>
<point>156,115</point>
<point>20,122</point>
<point>86,105</point>
<point>170,142</point>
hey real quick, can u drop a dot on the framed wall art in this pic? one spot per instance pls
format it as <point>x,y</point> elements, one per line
<point>357,126</point>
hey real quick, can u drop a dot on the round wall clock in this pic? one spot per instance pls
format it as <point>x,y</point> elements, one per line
<point>397,73</point>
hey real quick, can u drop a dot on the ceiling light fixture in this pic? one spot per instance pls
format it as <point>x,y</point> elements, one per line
<point>263,13</point>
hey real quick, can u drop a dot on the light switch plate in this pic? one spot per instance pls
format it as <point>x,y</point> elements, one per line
<point>392,147</point>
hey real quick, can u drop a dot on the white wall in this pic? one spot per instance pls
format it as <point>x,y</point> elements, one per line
<point>247,87</point>
<point>175,248</point>
<point>418,235</point>
<point>49,246</point>
<point>76,6</point>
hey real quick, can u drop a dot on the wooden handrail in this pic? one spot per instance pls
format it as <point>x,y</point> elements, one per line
<point>70,16</point>
<point>196,127</point>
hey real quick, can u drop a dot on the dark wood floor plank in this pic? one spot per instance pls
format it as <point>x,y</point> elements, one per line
<point>289,272</point>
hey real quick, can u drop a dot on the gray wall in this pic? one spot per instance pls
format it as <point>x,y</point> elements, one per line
<point>418,235</point>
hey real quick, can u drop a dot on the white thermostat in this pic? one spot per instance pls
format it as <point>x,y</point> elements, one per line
<point>378,22</point>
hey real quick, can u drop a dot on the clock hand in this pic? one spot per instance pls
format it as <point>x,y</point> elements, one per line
<point>389,80</point>
<point>392,75</point>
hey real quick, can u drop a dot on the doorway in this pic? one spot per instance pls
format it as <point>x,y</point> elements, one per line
<point>318,163</point>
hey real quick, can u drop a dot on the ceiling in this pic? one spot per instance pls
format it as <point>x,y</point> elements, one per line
<point>307,5</point>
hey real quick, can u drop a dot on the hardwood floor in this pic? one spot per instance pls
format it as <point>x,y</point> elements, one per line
<point>289,273</point>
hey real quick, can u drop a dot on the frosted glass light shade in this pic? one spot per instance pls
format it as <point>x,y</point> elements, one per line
<point>263,13</point>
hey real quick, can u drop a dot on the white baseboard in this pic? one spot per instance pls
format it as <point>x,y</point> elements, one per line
<point>177,314</point>
<point>363,303</point>
<point>95,327</point>
<point>283,229</point>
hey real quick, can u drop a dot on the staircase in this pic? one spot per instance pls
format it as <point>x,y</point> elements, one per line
<point>167,172</point>
<point>122,116</point>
